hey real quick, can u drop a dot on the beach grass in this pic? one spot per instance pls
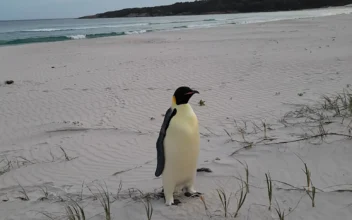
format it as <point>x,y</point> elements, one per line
<point>225,200</point>
<point>74,211</point>
<point>241,199</point>
<point>104,198</point>
<point>269,185</point>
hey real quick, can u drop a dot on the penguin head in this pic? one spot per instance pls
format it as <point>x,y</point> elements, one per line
<point>182,95</point>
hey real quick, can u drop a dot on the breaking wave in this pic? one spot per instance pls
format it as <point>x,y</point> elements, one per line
<point>71,37</point>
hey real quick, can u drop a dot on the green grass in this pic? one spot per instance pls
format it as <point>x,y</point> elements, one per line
<point>225,200</point>
<point>148,208</point>
<point>24,193</point>
<point>241,199</point>
<point>45,192</point>
<point>74,211</point>
<point>311,195</point>
<point>5,168</point>
<point>245,165</point>
<point>104,199</point>
<point>280,214</point>
<point>201,103</point>
<point>307,172</point>
<point>269,185</point>
<point>340,104</point>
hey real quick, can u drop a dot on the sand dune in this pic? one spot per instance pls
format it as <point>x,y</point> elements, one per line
<point>102,101</point>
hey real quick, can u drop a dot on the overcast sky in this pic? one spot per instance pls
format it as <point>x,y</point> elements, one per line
<point>38,9</point>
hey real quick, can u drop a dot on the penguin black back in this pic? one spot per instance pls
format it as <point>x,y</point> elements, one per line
<point>181,96</point>
<point>160,142</point>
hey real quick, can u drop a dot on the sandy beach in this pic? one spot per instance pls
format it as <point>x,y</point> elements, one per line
<point>88,112</point>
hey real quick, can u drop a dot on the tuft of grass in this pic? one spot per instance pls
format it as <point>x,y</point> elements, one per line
<point>311,195</point>
<point>24,193</point>
<point>120,187</point>
<point>118,191</point>
<point>264,126</point>
<point>81,194</point>
<point>247,178</point>
<point>201,103</point>
<point>201,197</point>
<point>280,214</point>
<point>74,211</point>
<point>308,175</point>
<point>269,184</point>
<point>146,200</point>
<point>242,132</point>
<point>247,175</point>
<point>7,166</point>
<point>340,103</point>
<point>104,200</point>
<point>45,192</point>
<point>16,162</point>
<point>60,199</point>
<point>148,208</point>
<point>225,201</point>
<point>307,172</point>
<point>49,215</point>
<point>241,199</point>
<point>228,134</point>
<point>67,158</point>
<point>52,156</point>
<point>322,132</point>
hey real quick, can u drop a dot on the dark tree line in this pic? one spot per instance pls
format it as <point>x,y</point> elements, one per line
<point>221,6</point>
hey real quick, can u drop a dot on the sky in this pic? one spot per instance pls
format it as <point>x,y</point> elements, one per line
<point>43,9</point>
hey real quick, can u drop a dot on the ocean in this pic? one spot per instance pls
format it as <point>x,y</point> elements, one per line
<point>35,31</point>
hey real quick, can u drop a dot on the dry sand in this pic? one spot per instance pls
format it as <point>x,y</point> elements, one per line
<point>102,101</point>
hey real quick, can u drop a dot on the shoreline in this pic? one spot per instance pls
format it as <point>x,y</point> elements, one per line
<point>63,38</point>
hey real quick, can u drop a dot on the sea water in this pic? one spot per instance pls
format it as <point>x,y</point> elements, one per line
<point>34,31</point>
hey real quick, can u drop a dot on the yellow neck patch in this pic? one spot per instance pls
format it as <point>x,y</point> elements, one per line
<point>173,100</point>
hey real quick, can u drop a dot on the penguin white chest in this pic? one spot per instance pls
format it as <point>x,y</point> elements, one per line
<point>182,147</point>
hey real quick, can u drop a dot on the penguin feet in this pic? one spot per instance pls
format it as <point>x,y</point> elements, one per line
<point>195,194</point>
<point>176,202</point>
<point>161,194</point>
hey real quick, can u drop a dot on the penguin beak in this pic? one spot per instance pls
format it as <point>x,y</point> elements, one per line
<point>192,92</point>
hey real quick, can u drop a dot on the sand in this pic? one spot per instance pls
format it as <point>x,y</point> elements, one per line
<point>102,100</point>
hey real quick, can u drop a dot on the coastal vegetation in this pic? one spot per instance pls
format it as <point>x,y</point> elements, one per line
<point>200,7</point>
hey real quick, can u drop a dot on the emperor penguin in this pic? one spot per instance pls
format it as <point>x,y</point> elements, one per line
<point>178,147</point>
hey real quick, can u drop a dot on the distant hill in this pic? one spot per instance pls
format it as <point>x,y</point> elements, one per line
<point>220,7</point>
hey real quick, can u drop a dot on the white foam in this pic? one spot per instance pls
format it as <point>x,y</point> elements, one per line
<point>85,28</point>
<point>136,32</point>
<point>42,30</point>
<point>77,37</point>
<point>202,25</point>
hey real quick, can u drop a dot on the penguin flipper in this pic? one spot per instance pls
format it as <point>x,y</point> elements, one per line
<point>160,142</point>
